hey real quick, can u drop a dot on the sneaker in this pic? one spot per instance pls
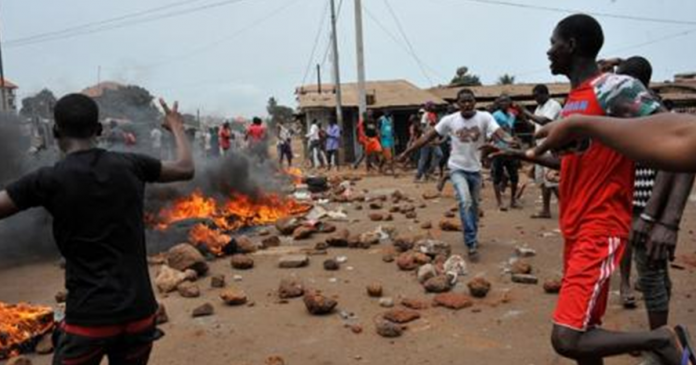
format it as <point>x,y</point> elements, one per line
<point>474,255</point>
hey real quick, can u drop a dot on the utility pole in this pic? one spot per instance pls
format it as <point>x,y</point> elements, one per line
<point>2,82</point>
<point>337,74</point>
<point>319,78</point>
<point>362,97</point>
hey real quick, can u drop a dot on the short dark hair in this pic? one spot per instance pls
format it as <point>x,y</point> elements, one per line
<point>77,116</point>
<point>586,31</point>
<point>465,91</point>
<point>637,67</point>
<point>540,89</point>
<point>256,120</point>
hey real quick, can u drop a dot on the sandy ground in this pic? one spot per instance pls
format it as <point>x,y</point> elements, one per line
<point>491,332</point>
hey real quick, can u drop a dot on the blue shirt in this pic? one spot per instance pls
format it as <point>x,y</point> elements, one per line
<point>506,121</point>
<point>386,130</point>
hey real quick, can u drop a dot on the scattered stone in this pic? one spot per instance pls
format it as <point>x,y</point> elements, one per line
<point>190,275</point>
<point>376,217</point>
<point>303,232</point>
<point>454,301</point>
<point>233,296</point>
<point>188,290</point>
<point>327,228</point>
<point>388,217</point>
<point>242,262</point>
<point>161,316</point>
<point>264,232</point>
<point>237,278</point>
<point>287,226</point>
<point>293,261</point>
<point>358,207</point>
<point>434,248</point>
<point>217,281</point>
<point>388,329</point>
<point>275,360</point>
<point>386,302</point>
<point>521,267</point>
<point>426,272</point>
<point>411,215</point>
<point>158,259</point>
<point>184,256</point>
<point>356,328</point>
<point>374,290</point>
<point>331,265</point>
<point>245,245</point>
<point>524,279</point>
<point>404,243</point>
<point>368,239</point>
<point>408,209</point>
<point>395,209</point>
<point>206,309</point>
<point>427,225</point>
<point>341,259</point>
<point>19,360</point>
<point>168,279</point>
<point>376,205</point>
<point>290,288</point>
<point>422,206</point>
<point>455,265</point>
<point>388,255</point>
<point>320,246</point>
<point>525,252</point>
<point>61,296</point>
<point>421,258</point>
<point>415,304</point>
<point>318,304</point>
<point>479,287</point>
<point>437,284</point>
<point>268,242</point>
<point>552,286</point>
<point>45,345</point>
<point>449,225</point>
<point>406,261</point>
<point>429,195</point>
<point>401,316</point>
<point>450,215</point>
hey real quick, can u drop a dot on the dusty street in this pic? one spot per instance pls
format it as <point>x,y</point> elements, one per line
<point>510,326</point>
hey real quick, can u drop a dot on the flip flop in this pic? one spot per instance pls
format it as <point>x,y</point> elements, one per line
<point>687,345</point>
<point>629,302</point>
<point>540,215</point>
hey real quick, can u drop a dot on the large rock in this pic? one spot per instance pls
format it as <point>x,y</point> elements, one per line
<point>217,281</point>
<point>454,301</point>
<point>438,284</point>
<point>388,329</point>
<point>434,248</point>
<point>206,309</point>
<point>369,239</point>
<point>415,304</point>
<point>339,239</point>
<point>449,225</point>
<point>479,287</point>
<point>242,262</point>
<point>287,226</point>
<point>290,288</point>
<point>189,290</point>
<point>525,279</point>
<point>374,290</point>
<point>401,316</point>
<point>521,267</point>
<point>406,261</point>
<point>245,245</point>
<point>233,296</point>
<point>168,279</point>
<point>552,286</point>
<point>272,241</point>
<point>426,272</point>
<point>184,256</point>
<point>318,304</point>
<point>303,232</point>
<point>293,261</point>
<point>404,243</point>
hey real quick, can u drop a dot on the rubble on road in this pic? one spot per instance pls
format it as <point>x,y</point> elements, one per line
<point>318,304</point>
<point>479,287</point>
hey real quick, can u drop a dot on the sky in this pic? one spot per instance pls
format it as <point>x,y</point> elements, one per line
<point>227,57</point>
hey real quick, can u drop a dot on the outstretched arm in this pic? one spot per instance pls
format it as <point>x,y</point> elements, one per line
<point>664,141</point>
<point>182,168</point>
<point>7,206</point>
<point>429,136</point>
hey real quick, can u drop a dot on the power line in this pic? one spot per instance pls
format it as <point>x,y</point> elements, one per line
<point>316,43</point>
<point>328,41</point>
<point>128,23</point>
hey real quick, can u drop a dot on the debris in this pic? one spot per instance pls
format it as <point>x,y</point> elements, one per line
<point>368,239</point>
<point>161,316</point>
<point>290,288</point>
<point>303,232</point>
<point>341,259</point>
<point>206,309</point>
<point>376,217</point>
<point>293,261</point>
<point>339,239</point>
<point>217,281</point>
<point>45,345</point>
<point>449,225</point>
<point>524,279</point>
<point>426,272</point>
<point>450,215</point>
<point>331,265</point>
<point>454,301</point>
<point>386,302</point>
<point>272,241</point>
<point>19,360</point>
<point>406,261</point>
<point>427,225</point>
<point>318,304</point>
<point>233,296</point>
<point>521,267</point>
<point>245,245</point>
<point>415,304</point>
<point>525,252</point>
<point>434,248</point>
<point>263,232</point>
<point>324,227</point>
<point>237,278</point>
<point>275,360</point>
<point>437,284</point>
<point>168,279</point>
<point>454,267</point>
<point>374,290</point>
<point>430,195</point>
<point>388,329</point>
<point>188,290</point>
<point>184,256</point>
<point>479,287</point>
<point>287,226</point>
<point>375,205</point>
<point>552,286</point>
<point>401,316</point>
<point>61,296</point>
<point>242,262</point>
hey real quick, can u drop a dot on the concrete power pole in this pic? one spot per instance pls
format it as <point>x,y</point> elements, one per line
<point>2,82</point>
<point>362,97</point>
<point>337,74</point>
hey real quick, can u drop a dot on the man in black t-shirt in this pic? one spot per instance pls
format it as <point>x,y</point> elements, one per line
<point>96,199</point>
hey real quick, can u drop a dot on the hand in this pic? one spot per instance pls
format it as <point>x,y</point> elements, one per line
<point>402,158</point>
<point>172,118</point>
<point>607,65</point>
<point>490,150</point>
<point>557,136</point>
<point>661,244</point>
<point>640,231</point>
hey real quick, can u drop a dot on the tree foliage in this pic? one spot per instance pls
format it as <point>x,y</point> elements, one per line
<point>464,78</point>
<point>39,105</point>
<point>506,79</point>
<point>279,113</point>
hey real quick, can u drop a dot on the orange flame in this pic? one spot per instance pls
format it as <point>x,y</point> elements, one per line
<point>216,241</point>
<point>21,323</point>
<point>295,174</point>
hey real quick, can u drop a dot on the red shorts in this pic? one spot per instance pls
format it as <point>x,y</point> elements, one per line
<point>589,263</point>
<point>372,145</point>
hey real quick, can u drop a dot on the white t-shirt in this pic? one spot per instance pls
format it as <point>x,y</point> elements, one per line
<point>551,110</point>
<point>467,136</point>
<point>313,134</point>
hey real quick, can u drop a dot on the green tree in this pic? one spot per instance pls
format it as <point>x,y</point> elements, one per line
<point>464,78</point>
<point>278,113</point>
<point>39,105</point>
<point>506,79</point>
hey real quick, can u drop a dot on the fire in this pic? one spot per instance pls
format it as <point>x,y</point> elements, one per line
<point>216,241</point>
<point>295,174</point>
<point>20,324</point>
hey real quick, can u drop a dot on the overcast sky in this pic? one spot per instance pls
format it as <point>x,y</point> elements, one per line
<point>227,57</point>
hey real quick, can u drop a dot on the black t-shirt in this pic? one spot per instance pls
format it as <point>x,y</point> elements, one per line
<point>371,128</point>
<point>96,199</point>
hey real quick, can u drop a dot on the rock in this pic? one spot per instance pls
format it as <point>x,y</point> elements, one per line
<point>374,290</point>
<point>454,301</point>
<point>449,225</point>
<point>185,256</point>
<point>450,215</point>
<point>388,329</point>
<point>521,267</point>
<point>552,286</point>
<point>237,278</point>
<point>358,207</point>
<point>242,262</point>
<point>290,288</point>
<point>272,241</point>
<point>339,239</point>
<point>45,345</point>
<point>368,239</point>
<point>188,290</point>
<point>318,304</point>
<point>217,281</point>
<point>356,328</point>
<point>406,261</point>
<point>525,252</point>
<point>376,217</point>
<point>233,296</point>
<point>61,296</point>
<point>433,248</point>
<point>422,205</point>
<point>386,302</point>
<point>19,360</point>
<point>421,258</point>
<point>455,265</point>
<point>354,242</point>
<point>437,284</point>
<point>404,243</point>
<point>408,209</point>
<point>479,287</point>
<point>275,360</point>
<point>327,228</point>
<point>395,209</point>
<point>388,217</point>
<point>206,309</point>
<point>426,272</point>
<point>264,232</point>
<point>524,279</point>
<point>190,275</point>
<point>411,215</point>
<point>303,233</point>
<point>388,256</point>
<point>293,261</point>
<point>287,226</point>
<point>168,279</point>
<point>429,195</point>
<point>401,316</point>
<point>331,265</point>
<point>376,205</point>
<point>415,304</point>
<point>161,316</point>
<point>427,225</point>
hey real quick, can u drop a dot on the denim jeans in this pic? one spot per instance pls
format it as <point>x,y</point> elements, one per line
<point>425,155</point>
<point>467,186</point>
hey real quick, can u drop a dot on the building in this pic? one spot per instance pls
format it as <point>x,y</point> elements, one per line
<point>10,90</point>
<point>398,97</point>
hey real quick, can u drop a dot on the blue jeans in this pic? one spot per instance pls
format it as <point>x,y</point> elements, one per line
<point>467,186</point>
<point>425,155</point>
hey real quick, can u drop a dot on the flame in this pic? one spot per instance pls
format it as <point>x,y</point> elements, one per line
<point>20,324</point>
<point>216,241</point>
<point>295,174</point>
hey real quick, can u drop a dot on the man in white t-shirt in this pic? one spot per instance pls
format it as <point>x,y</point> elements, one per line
<point>547,111</point>
<point>469,130</point>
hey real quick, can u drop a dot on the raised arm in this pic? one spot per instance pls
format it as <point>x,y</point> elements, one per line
<point>182,168</point>
<point>7,206</point>
<point>425,139</point>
